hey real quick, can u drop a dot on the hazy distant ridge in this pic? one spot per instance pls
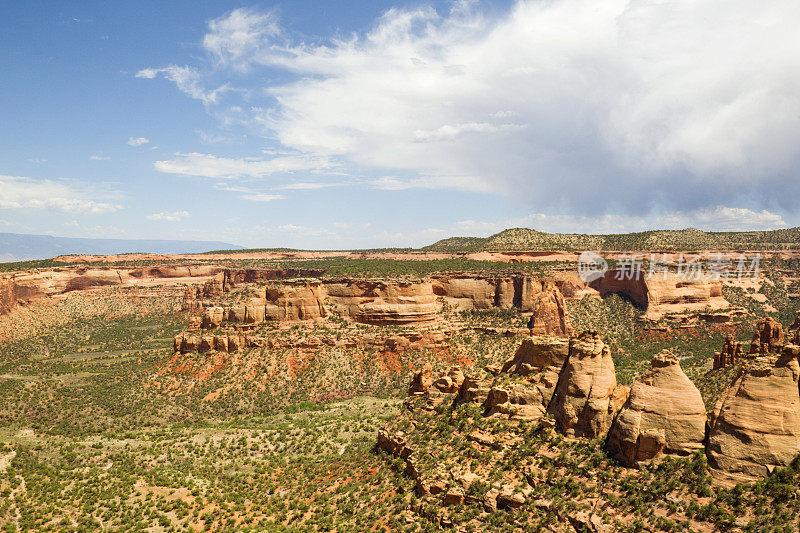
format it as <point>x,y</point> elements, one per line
<point>685,239</point>
<point>19,247</point>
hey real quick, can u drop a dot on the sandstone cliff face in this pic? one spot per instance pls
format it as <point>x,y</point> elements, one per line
<point>756,423</point>
<point>232,342</point>
<point>664,414</point>
<point>660,294</point>
<point>60,280</point>
<point>383,302</point>
<point>484,292</point>
<point>12,294</point>
<point>294,300</point>
<point>582,404</point>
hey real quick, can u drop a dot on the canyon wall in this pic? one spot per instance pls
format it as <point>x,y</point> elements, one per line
<point>661,293</point>
<point>378,301</point>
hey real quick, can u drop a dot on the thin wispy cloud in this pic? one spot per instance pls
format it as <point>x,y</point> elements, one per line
<point>249,194</point>
<point>188,80</point>
<point>259,197</point>
<point>236,39</point>
<point>211,166</point>
<point>99,158</point>
<point>168,216</point>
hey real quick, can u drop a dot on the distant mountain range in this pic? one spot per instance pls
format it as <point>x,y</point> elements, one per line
<point>19,247</point>
<point>689,239</point>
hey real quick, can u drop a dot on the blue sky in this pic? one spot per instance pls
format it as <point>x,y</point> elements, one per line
<point>366,124</point>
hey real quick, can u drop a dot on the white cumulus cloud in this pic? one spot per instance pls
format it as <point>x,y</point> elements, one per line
<point>137,141</point>
<point>17,192</point>
<point>619,105</point>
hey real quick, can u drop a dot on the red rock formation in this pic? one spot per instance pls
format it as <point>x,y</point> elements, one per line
<point>793,331</point>
<point>768,338</point>
<point>12,294</point>
<point>664,414</point>
<point>582,403</point>
<point>756,422</point>
<point>421,380</point>
<point>234,277</point>
<point>382,302</point>
<point>573,379</point>
<point>550,313</point>
<point>295,300</point>
<point>730,354</point>
<point>395,343</point>
<point>397,302</point>
<point>660,294</point>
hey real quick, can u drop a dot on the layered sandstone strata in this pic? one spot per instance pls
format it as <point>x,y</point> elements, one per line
<point>664,414</point>
<point>232,341</point>
<point>387,302</point>
<point>29,286</point>
<point>382,302</point>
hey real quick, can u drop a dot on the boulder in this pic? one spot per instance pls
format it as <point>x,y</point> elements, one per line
<point>450,382</point>
<point>664,414</point>
<point>756,423</point>
<point>475,389</point>
<point>582,403</point>
<point>421,380</point>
